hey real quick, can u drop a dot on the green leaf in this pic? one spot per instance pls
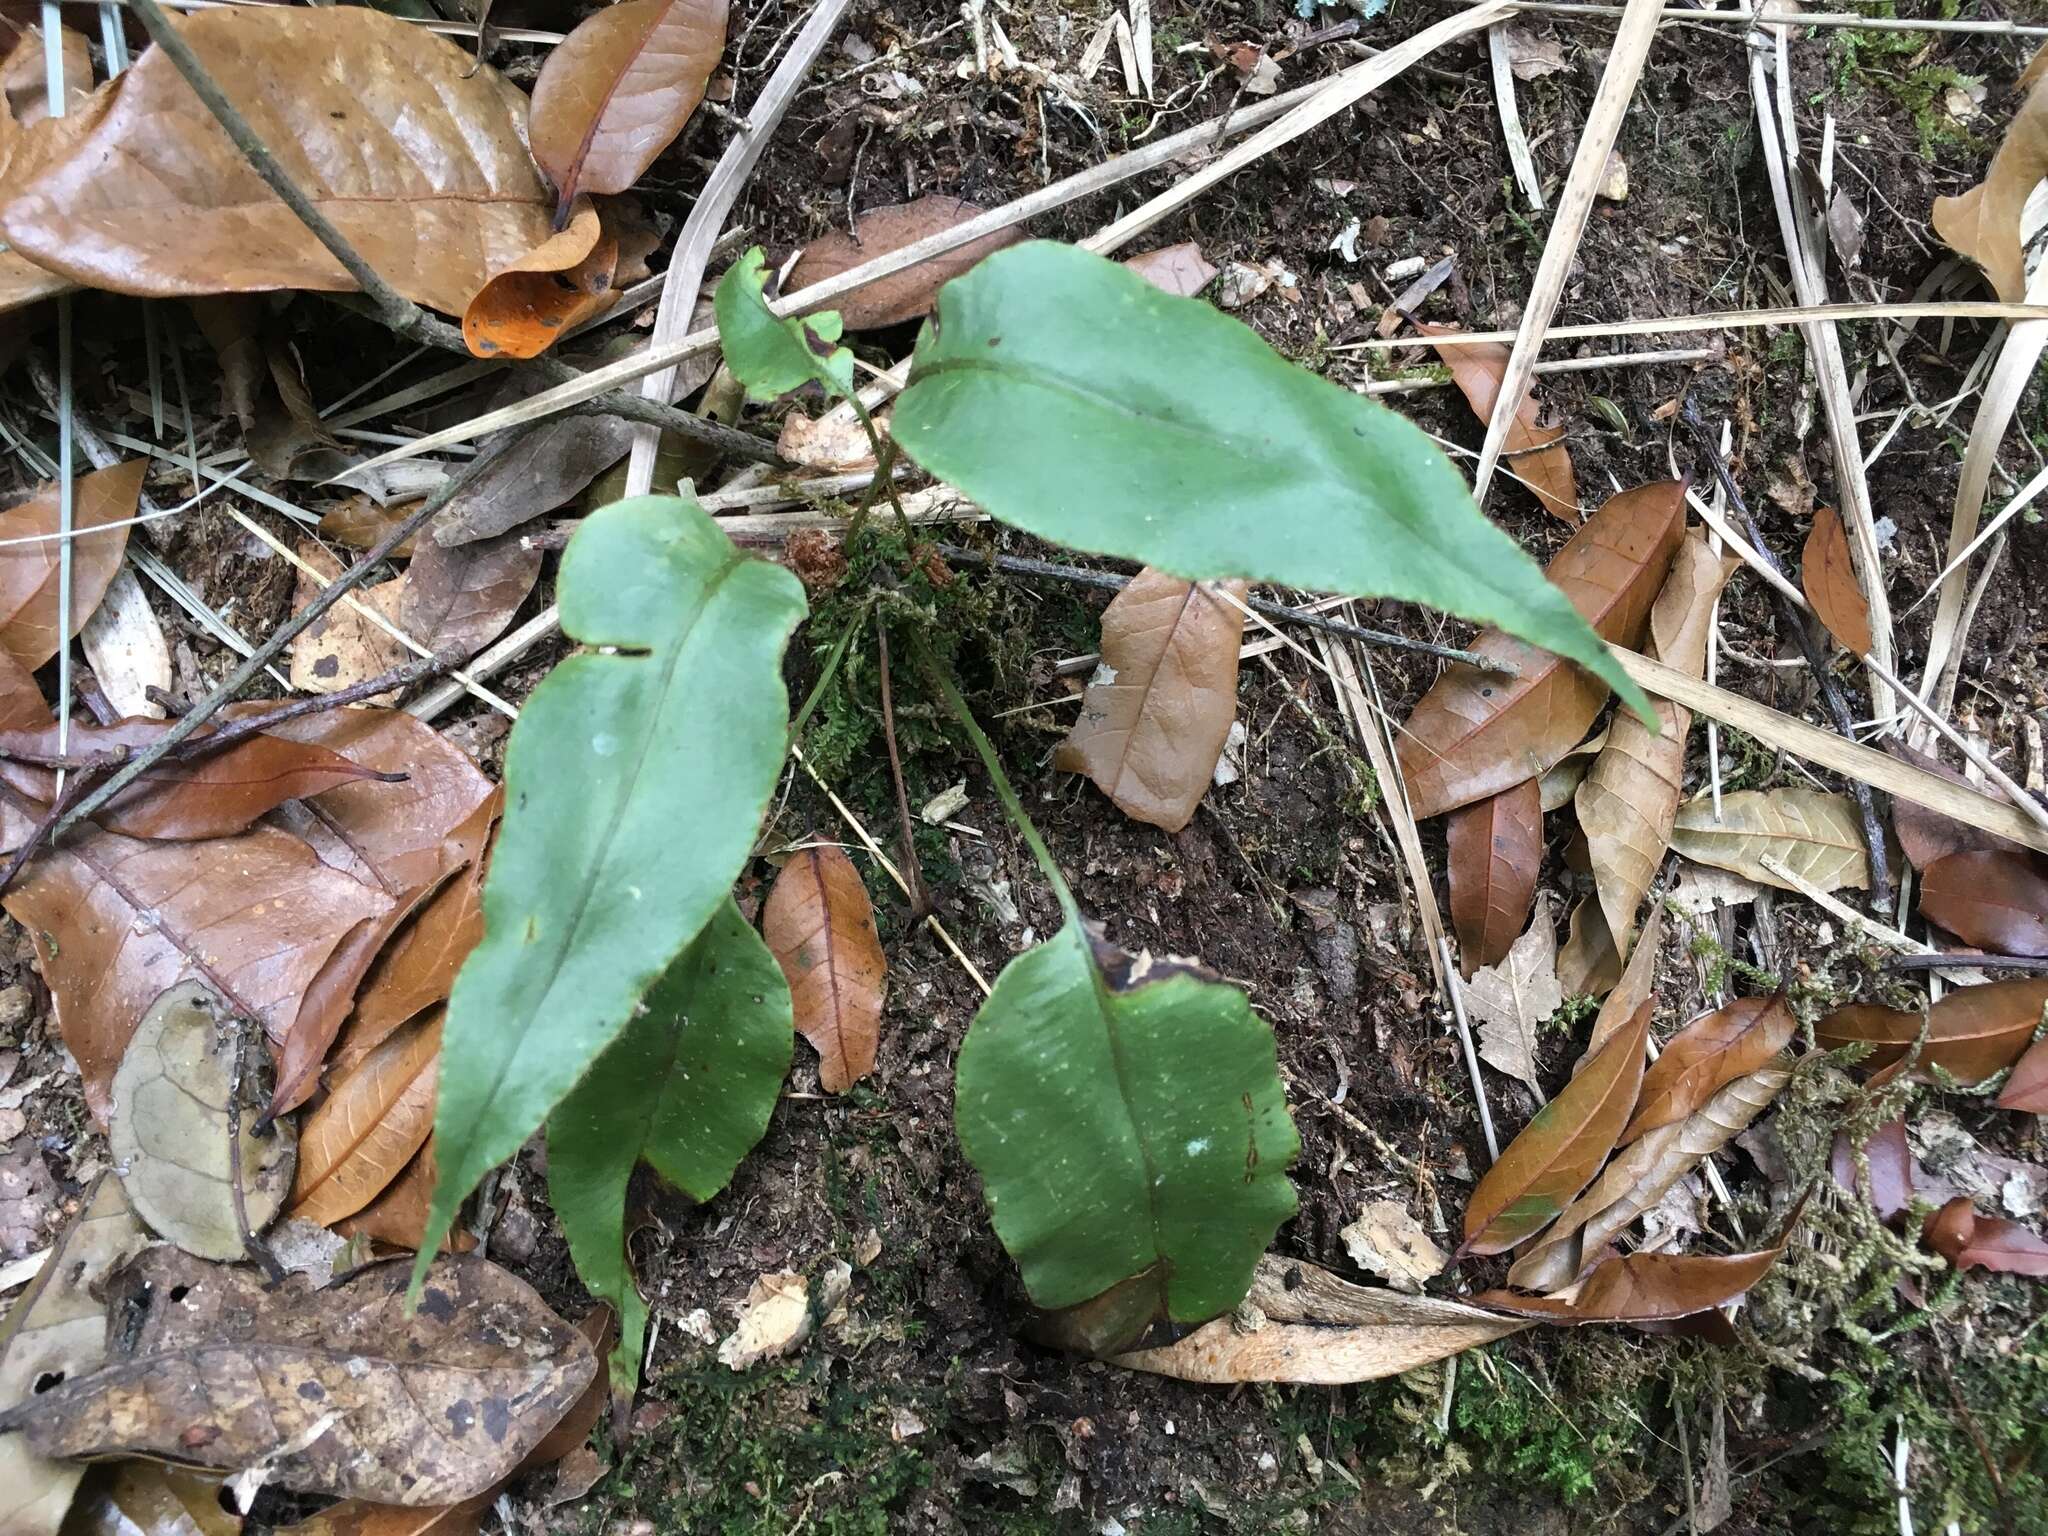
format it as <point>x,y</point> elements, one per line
<point>634,783</point>
<point>687,1089</point>
<point>1072,398</point>
<point>770,355</point>
<point>1127,1128</point>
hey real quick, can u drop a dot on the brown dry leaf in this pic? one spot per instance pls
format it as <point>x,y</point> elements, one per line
<point>142,1498</point>
<point>1650,1287</point>
<point>149,197</point>
<point>2027,1088</point>
<point>834,443</point>
<point>1814,834</point>
<point>460,599</point>
<point>1589,964</point>
<point>397,1218</point>
<point>1563,780</point>
<point>57,1329</point>
<point>27,132</point>
<point>1927,835</point>
<point>1319,1330</point>
<point>29,558</point>
<point>1629,799</point>
<point>1971,1241</point>
<point>25,77</point>
<point>531,473</point>
<point>361,523</point>
<point>375,1118</point>
<point>820,925</point>
<point>357,1517</point>
<point>1159,707</point>
<point>335,1391</point>
<point>341,647</point>
<point>524,308</point>
<point>1971,1033</point>
<point>1997,901</point>
<point>1984,223</point>
<point>1536,454</point>
<point>117,922</point>
<point>1829,578</point>
<point>1496,850</point>
<point>1713,1050</point>
<point>910,293</point>
<point>1512,999</point>
<point>192,1178</point>
<point>1640,1176</point>
<point>1476,733</point>
<point>1181,270</point>
<point>1558,1152</point>
<point>1890,1161</point>
<point>1631,987</point>
<point>417,969</point>
<point>615,93</point>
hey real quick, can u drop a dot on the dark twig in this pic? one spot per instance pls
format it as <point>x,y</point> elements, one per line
<point>45,826</point>
<point>913,878</point>
<point>1958,960</point>
<point>1019,565</point>
<point>252,1246</point>
<point>1809,646</point>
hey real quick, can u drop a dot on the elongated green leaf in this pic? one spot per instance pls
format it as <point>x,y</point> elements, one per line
<point>1129,1129</point>
<point>1072,398</point>
<point>770,355</point>
<point>635,781</point>
<point>687,1089</point>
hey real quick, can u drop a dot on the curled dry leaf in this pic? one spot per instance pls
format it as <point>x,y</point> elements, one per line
<point>616,92</point>
<point>460,599</point>
<point>361,523</point>
<point>1536,454</point>
<point>1157,712</point>
<point>1972,1241</point>
<point>168,1130</point>
<point>1589,964</point>
<point>375,1118</point>
<point>1563,781</point>
<point>1559,1151</point>
<point>1890,1161</point>
<point>149,196</point>
<point>1496,851</point>
<point>335,1391</point>
<point>909,293</point>
<point>1995,900</point>
<point>1313,1329</point>
<point>1813,833</point>
<point>1650,1287</point>
<point>1971,1033</point>
<point>29,558</point>
<point>1181,270</point>
<point>1829,577</point>
<point>1984,222</point>
<point>1476,733</point>
<point>820,926</point>
<point>1512,999</point>
<point>523,308</point>
<point>1714,1049</point>
<point>1927,835</point>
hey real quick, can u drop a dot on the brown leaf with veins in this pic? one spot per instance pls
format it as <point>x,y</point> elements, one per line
<point>1713,1050</point>
<point>335,1390</point>
<point>29,558</point>
<point>1971,1033</point>
<point>1631,988</point>
<point>1496,851</point>
<point>619,88</point>
<point>149,196</point>
<point>1476,733</point>
<point>1828,576</point>
<point>1812,832</point>
<point>375,1117</point>
<point>397,1217</point>
<point>910,293</point>
<point>1972,1241</point>
<point>1181,270</point>
<point>1890,1161</point>
<point>1927,835</point>
<point>820,926</point>
<point>1158,710</point>
<point>1995,900</point>
<point>460,599</point>
<point>1984,223</point>
<point>1536,454</point>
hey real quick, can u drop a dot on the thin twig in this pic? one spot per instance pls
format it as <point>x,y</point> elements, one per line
<point>913,877</point>
<point>252,1246</point>
<point>1019,565</point>
<point>68,795</point>
<point>1956,961</point>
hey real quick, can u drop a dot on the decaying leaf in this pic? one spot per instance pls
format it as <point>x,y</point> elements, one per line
<point>1927,835</point>
<point>56,1330</point>
<point>343,647</point>
<point>775,1320</point>
<point>910,293</point>
<point>1811,832</point>
<point>1890,1161</point>
<point>820,926</point>
<point>1181,270</point>
<point>1828,574</point>
<point>29,558</point>
<point>1563,780</point>
<point>1386,1241</point>
<point>460,598</point>
<point>168,1131</point>
<point>1970,1240</point>
<point>1714,1049</point>
<point>2027,1088</point>
<point>1650,1287</point>
<point>1971,1033</point>
<point>1496,852</point>
<point>525,307</point>
<point>1995,900</point>
<point>333,1391</point>
<point>531,472</point>
<point>1632,988</point>
<point>1156,713</point>
<point>397,1218</point>
<point>1476,733</point>
<point>1536,454</point>
<point>1589,963</point>
<point>152,198</point>
<point>1984,222</point>
<point>1558,1152</point>
<point>1310,1328</point>
<point>125,644</point>
<point>375,1117</point>
<point>615,93</point>
<point>1512,999</point>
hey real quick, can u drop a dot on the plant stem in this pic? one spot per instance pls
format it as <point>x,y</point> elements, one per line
<point>913,877</point>
<point>1012,806</point>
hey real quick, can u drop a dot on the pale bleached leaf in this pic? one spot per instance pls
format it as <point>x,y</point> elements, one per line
<point>1814,834</point>
<point>1510,1000</point>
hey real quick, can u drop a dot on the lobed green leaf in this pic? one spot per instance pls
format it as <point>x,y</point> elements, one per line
<point>771,355</point>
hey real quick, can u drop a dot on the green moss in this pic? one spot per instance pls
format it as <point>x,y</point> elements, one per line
<point>1896,65</point>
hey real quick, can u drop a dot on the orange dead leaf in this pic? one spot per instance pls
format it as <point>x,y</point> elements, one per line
<point>523,308</point>
<point>1829,577</point>
<point>820,926</point>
